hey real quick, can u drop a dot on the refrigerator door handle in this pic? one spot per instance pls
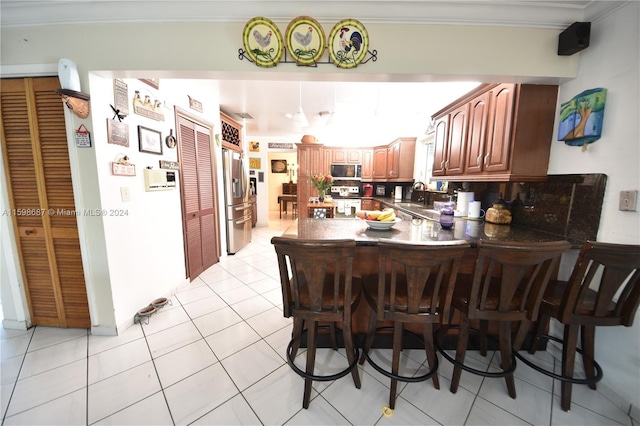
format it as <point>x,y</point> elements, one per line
<point>240,222</point>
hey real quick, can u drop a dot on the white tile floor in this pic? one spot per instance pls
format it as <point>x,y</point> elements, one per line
<point>216,356</point>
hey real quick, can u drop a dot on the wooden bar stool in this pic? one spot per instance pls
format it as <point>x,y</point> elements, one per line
<point>506,287</point>
<point>317,286</point>
<point>603,290</point>
<point>414,286</point>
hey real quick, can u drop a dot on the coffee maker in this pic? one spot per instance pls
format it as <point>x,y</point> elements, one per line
<point>367,190</point>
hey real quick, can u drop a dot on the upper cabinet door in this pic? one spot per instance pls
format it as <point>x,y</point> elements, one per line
<point>477,134</point>
<point>454,163</point>
<point>440,151</point>
<point>499,140</point>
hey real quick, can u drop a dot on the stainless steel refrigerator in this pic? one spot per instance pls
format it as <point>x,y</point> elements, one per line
<point>236,198</point>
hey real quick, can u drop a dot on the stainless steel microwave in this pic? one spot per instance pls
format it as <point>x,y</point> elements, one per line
<point>346,171</point>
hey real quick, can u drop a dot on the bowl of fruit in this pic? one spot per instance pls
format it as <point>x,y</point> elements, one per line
<point>379,220</point>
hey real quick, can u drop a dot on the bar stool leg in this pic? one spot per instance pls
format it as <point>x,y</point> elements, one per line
<point>461,350</point>
<point>431,352</point>
<point>587,340</point>
<point>311,360</point>
<point>350,348</point>
<point>504,334</point>
<point>373,319</point>
<point>395,364</point>
<point>568,360</point>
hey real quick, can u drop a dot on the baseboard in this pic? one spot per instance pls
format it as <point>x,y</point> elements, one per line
<point>14,325</point>
<point>102,330</point>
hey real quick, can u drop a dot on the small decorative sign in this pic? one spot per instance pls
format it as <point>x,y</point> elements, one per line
<point>280,145</point>
<point>194,104</point>
<point>147,107</point>
<point>123,169</point>
<point>254,146</point>
<point>83,137</point>
<point>121,97</point>
<point>117,132</point>
<point>171,165</point>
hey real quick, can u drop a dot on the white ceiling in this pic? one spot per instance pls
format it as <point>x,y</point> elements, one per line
<point>370,112</point>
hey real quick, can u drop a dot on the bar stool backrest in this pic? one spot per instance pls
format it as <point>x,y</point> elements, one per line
<point>316,277</point>
<point>414,273</point>
<point>510,278</point>
<point>604,287</point>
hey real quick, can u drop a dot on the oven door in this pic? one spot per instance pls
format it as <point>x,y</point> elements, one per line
<point>346,208</point>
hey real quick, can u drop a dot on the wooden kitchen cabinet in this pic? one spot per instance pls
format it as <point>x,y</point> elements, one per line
<point>367,164</point>
<point>498,132</point>
<point>346,156</point>
<point>366,204</point>
<point>310,161</point>
<point>231,133</point>
<point>379,163</point>
<point>452,147</point>
<point>400,160</point>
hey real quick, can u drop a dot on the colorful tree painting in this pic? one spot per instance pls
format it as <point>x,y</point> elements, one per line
<point>581,118</point>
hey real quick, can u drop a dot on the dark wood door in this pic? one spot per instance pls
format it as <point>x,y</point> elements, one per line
<point>478,116</point>
<point>199,202</point>
<point>501,120</point>
<point>42,206</point>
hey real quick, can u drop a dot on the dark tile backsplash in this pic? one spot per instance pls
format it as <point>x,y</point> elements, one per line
<point>566,205</point>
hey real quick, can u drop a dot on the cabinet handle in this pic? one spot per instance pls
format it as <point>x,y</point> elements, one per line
<point>442,164</point>
<point>29,231</point>
<point>446,164</point>
<point>486,160</point>
<point>479,159</point>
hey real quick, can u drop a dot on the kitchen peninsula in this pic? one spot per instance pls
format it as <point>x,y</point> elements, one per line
<point>425,229</point>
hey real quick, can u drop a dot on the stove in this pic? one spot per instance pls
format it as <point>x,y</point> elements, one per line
<point>345,191</point>
<point>347,198</point>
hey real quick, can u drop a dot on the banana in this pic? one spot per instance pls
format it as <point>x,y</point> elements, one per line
<point>387,216</point>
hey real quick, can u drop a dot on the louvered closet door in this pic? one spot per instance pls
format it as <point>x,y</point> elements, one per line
<point>36,156</point>
<point>199,203</point>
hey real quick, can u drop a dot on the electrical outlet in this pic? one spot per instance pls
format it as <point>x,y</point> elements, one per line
<point>125,194</point>
<point>628,200</point>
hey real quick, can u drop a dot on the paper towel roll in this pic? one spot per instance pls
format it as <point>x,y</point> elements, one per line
<point>464,198</point>
<point>398,193</point>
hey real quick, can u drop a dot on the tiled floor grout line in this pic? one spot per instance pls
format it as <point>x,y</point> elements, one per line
<point>15,384</point>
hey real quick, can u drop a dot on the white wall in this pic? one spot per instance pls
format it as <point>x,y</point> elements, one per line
<point>612,62</point>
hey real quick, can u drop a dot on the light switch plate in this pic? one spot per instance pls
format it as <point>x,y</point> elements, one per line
<point>628,200</point>
<point>125,194</point>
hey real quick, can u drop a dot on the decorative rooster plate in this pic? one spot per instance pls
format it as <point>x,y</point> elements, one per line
<point>263,42</point>
<point>305,40</point>
<point>348,43</point>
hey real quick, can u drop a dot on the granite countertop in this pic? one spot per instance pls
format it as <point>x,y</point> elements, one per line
<point>417,229</point>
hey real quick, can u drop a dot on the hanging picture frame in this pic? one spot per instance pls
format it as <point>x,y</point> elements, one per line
<point>149,140</point>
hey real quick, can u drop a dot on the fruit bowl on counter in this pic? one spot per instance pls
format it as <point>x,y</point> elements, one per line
<point>380,220</point>
<point>382,226</point>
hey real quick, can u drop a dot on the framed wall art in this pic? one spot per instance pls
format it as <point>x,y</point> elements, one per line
<point>278,166</point>
<point>255,163</point>
<point>149,140</point>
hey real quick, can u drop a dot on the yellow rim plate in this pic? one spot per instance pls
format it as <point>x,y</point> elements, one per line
<point>348,43</point>
<point>305,40</point>
<point>263,42</point>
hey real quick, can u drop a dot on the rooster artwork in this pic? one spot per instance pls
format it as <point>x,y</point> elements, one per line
<point>349,43</point>
<point>305,40</point>
<point>263,42</point>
